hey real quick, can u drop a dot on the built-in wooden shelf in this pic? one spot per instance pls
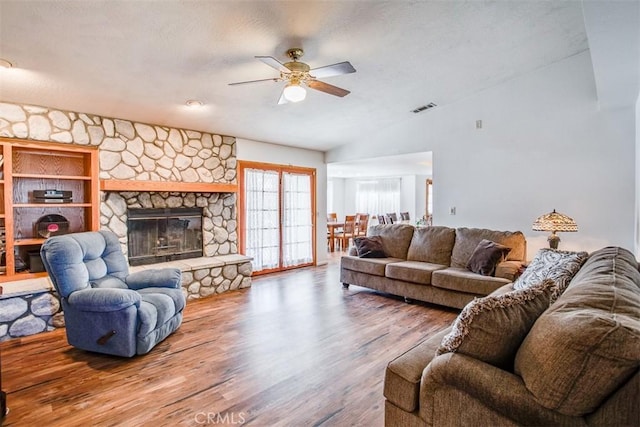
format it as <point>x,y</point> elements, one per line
<point>178,187</point>
<point>44,176</point>
<point>51,205</point>
<point>28,242</point>
<point>28,166</point>
<point>21,276</point>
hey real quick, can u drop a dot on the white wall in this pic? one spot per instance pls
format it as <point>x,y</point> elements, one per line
<point>421,201</point>
<point>408,196</point>
<point>349,196</point>
<point>544,145</point>
<point>339,197</point>
<point>279,154</point>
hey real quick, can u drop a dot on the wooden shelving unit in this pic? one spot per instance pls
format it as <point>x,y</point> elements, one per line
<point>29,166</point>
<point>187,187</point>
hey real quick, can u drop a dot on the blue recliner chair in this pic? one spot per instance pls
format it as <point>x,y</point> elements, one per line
<point>106,309</point>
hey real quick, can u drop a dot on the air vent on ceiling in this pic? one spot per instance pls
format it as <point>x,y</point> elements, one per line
<point>424,107</point>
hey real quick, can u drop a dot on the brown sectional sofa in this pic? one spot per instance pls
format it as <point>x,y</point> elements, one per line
<point>578,364</point>
<point>429,264</point>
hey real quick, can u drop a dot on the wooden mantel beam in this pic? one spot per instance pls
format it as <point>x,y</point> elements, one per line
<point>169,186</point>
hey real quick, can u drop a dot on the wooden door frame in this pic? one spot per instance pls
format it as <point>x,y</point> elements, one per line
<point>245,164</point>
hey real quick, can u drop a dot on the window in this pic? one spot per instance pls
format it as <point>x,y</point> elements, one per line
<point>378,196</point>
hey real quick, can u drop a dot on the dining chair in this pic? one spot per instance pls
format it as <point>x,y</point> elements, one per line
<point>381,219</point>
<point>362,222</point>
<point>404,216</point>
<point>393,217</point>
<point>347,233</point>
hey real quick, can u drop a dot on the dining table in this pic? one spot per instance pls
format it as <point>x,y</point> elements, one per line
<point>332,226</point>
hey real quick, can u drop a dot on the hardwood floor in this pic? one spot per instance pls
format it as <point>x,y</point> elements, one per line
<point>295,349</point>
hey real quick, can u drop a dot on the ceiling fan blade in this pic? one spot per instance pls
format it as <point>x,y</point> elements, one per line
<point>327,88</point>
<point>333,70</point>
<point>274,63</point>
<point>273,79</point>
<point>282,99</point>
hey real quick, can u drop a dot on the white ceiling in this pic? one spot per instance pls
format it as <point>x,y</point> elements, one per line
<point>142,60</point>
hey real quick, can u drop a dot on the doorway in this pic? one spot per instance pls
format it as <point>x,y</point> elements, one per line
<point>277,221</point>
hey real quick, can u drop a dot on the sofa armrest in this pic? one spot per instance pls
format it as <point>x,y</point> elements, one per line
<point>500,391</point>
<point>155,278</point>
<point>103,299</point>
<point>509,270</point>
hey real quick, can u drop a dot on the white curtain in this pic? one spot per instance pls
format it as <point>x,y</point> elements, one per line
<point>262,237</point>
<point>297,226</point>
<point>379,196</point>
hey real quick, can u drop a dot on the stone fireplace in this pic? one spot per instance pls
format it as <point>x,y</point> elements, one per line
<point>161,235</point>
<point>154,167</point>
<point>221,268</point>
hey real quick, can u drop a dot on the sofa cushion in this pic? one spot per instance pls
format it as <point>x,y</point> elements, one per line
<point>463,280</point>
<point>492,328</point>
<point>374,266</point>
<point>588,343</point>
<point>403,374</point>
<point>486,256</point>
<point>559,266</point>
<point>395,238</point>
<point>432,244</point>
<point>369,247</point>
<point>412,271</point>
<point>468,238</point>
<point>509,270</point>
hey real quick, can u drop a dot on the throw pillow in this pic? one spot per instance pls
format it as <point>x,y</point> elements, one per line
<point>492,328</point>
<point>486,256</point>
<point>560,266</point>
<point>369,247</point>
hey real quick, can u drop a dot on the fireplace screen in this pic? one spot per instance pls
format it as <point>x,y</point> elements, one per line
<point>159,235</point>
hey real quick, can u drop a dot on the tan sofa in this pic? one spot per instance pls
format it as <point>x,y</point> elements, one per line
<point>429,264</point>
<point>578,365</point>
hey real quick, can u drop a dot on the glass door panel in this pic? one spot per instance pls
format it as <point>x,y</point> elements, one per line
<point>297,225</point>
<point>262,213</point>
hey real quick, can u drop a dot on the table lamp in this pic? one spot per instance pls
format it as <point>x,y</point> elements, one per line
<point>554,222</point>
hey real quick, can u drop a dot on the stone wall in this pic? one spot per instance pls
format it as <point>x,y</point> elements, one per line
<point>129,150</point>
<point>217,279</point>
<point>29,314</point>
<point>141,152</point>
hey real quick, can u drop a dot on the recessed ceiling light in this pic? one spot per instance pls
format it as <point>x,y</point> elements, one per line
<point>5,64</point>
<point>194,103</point>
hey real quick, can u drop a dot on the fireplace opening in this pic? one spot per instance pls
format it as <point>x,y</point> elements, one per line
<point>160,235</point>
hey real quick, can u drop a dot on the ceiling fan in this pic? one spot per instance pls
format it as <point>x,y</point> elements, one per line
<point>298,74</point>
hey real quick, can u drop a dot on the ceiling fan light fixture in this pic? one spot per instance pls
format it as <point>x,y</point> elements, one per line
<point>194,104</point>
<point>293,92</point>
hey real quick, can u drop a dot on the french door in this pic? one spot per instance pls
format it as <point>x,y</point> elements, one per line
<point>277,221</point>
